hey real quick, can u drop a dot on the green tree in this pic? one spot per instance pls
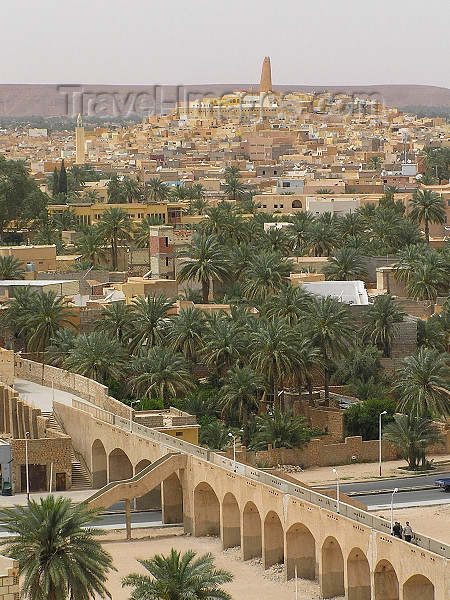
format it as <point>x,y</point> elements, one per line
<point>232,172</point>
<point>65,220</point>
<point>332,333</point>
<point>91,244</point>
<point>160,373</point>
<point>60,345</point>
<point>363,418</point>
<point>265,275</point>
<point>427,207</point>
<point>323,191</point>
<point>239,393</point>
<point>97,356</point>
<point>156,190</point>
<point>116,320</point>
<point>381,317</point>
<point>412,435</point>
<point>275,240</point>
<point>186,332</point>
<point>57,549</point>
<point>62,179</point>
<point>290,305</point>
<point>179,577</point>
<point>429,278</point>
<point>234,188</point>
<point>422,384</point>
<point>283,430</point>
<point>224,344</point>
<point>115,226</point>
<point>375,162</point>
<point>205,260</point>
<point>346,264</point>
<point>10,268</point>
<point>215,435</point>
<point>149,315</point>
<point>55,183</point>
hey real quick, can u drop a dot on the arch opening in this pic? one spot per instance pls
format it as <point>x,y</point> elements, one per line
<point>385,582</point>
<point>300,552</point>
<point>99,465</point>
<point>172,499</point>
<point>358,576</point>
<point>206,511</point>
<point>152,499</point>
<point>332,569</point>
<point>120,466</point>
<point>418,587</point>
<point>296,204</point>
<point>251,532</point>
<point>231,522</point>
<point>273,547</point>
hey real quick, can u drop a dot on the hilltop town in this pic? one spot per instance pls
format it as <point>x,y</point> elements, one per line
<point>206,304</point>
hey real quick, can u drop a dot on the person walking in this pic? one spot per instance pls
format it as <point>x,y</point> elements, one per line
<point>397,530</point>
<point>407,532</point>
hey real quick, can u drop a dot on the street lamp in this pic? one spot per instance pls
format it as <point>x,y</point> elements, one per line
<point>379,433</point>
<point>234,450</point>
<point>337,490</point>
<point>27,435</point>
<point>131,413</point>
<point>392,508</point>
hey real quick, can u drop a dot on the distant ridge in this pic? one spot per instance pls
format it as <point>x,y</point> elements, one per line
<point>18,100</point>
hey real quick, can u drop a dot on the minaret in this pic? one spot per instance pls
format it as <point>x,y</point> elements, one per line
<point>79,142</point>
<point>266,77</point>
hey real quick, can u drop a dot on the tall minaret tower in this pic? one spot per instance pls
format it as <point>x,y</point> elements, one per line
<point>266,77</point>
<point>79,142</point>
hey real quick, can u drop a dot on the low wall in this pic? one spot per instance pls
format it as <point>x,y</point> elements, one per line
<point>85,388</point>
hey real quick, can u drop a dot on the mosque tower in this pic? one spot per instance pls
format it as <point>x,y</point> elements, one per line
<point>79,142</point>
<point>266,77</point>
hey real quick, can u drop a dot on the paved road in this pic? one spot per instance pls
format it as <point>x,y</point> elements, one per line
<point>390,484</point>
<point>415,498</point>
<point>41,396</point>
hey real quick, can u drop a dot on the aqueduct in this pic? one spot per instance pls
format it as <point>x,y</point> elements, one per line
<point>350,553</point>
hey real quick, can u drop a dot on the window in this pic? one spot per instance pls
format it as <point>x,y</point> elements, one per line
<point>275,172</point>
<point>167,242</point>
<point>179,433</point>
<point>286,184</point>
<point>275,205</point>
<point>264,172</point>
<point>264,205</point>
<point>167,261</point>
<point>281,205</point>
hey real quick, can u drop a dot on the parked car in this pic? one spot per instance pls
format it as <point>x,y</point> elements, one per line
<point>443,482</point>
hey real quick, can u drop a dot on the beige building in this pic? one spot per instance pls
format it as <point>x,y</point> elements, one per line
<point>35,258</point>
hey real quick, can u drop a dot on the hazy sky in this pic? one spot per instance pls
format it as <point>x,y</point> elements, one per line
<point>313,42</point>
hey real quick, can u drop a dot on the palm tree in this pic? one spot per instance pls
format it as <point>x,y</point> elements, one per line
<point>179,577</point>
<point>46,314</point>
<point>186,332</point>
<point>234,188</point>
<point>422,384</point>
<point>332,332</point>
<point>275,240</point>
<point>291,304</point>
<point>149,315</point>
<point>351,225</point>
<point>232,171</point>
<point>10,268</point>
<point>92,196</point>
<point>96,356</point>
<point>427,207</point>
<point>56,546</point>
<point>429,278</point>
<point>206,260</point>
<point>91,244</point>
<point>215,435</point>
<point>283,430</point>
<point>115,226</point>
<point>265,275</point>
<point>160,373</point>
<point>381,316</point>
<point>408,259</point>
<point>60,345</point>
<point>224,344</point>
<point>115,319</point>
<point>239,394</point>
<point>321,238</point>
<point>346,264</point>
<point>323,191</point>
<point>428,179</point>
<point>131,189</point>
<point>156,190</point>
<point>375,162</point>
<point>412,435</point>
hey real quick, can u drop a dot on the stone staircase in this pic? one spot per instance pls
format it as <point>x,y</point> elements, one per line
<point>80,476</point>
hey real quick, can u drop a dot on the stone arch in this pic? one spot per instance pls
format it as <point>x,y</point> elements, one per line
<point>300,552</point>
<point>385,582</point>
<point>99,465</point>
<point>273,547</point>
<point>120,466</point>
<point>206,511</point>
<point>172,499</point>
<point>152,499</point>
<point>297,204</point>
<point>231,522</point>
<point>332,569</point>
<point>251,532</point>
<point>418,587</point>
<point>358,576</point>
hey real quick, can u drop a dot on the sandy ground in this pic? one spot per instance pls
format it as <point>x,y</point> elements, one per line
<point>250,582</point>
<point>432,521</point>
<point>360,471</point>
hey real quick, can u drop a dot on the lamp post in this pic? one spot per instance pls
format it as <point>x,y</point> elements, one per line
<point>131,413</point>
<point>392,508</point>
<point>27,435</point>
<point>337,490</point>
<point>234,450</point>
<point>379,433</point>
